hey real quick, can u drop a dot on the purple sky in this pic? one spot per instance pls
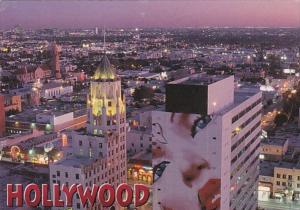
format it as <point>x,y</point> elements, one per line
<point>151,13</point>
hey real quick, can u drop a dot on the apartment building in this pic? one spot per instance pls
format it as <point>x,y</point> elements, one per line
<point>206,145</point>
<point>99,151</point>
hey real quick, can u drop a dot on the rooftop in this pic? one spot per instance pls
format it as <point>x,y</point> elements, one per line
<point>105,70</point>
<point>242,93</point>
<point>75,161</point>
<point>267,168</point>
<point>275,141</point>
<point>200,79</point>
<point>142,158</point>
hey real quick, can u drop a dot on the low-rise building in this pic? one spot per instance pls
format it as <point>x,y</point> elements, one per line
<point>274,148</point>
<point>12,102</point>
<point>139,140</point>
<point>31,73</point>
<point>55,90</point>
<point>279,179</point>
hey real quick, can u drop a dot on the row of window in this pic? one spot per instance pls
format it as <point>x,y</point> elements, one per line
<point>111,143</point>
<point>267,150</point>
<point>142,145</point>
<point>243,125</point>
<point>242,163</point>
<point>111,180</point>
<point>66,175</point>
<point>242,113</point>
<point>241,140</point>
<point>284,176</point>
<point>245,194</point>
<point>278,183</point>
<point>245,148</point>
<point>122,147</point>
<point>103,166</point>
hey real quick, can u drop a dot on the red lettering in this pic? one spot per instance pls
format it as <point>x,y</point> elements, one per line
<point>18,195</point>
<point>56,192</point>
<point>121,189</point>
<point>37,195</point>
<point>106,188</point>
<point>69,193</point>
<point>141,190</point>
<point>45,201</point>
<point>87,195</point>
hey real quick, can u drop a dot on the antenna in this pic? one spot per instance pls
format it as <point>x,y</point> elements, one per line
<point>104,42</point>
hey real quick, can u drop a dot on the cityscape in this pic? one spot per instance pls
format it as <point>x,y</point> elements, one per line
<point>207,117</point>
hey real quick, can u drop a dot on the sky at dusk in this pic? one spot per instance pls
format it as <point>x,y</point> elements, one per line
<point>151,13</point>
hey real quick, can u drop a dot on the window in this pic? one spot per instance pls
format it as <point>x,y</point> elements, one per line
<point>284,176</point>
<point>290,177</point>
<point>80,143</point>
<point>100,145</point>
<point>298,185</point>
<point>278,183</point>
<point>108,122</point>
<point>78,205</point>
<point>109,103</point>
<point>77,176</point>
<point>283,184</point>
<point>58,173</point>
<point>278,175</point>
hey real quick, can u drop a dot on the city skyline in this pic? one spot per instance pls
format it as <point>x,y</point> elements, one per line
<point>128,14</point>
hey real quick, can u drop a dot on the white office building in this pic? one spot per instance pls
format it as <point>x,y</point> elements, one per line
<point>206,145</point>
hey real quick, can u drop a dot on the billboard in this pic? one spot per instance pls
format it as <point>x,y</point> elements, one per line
<point>186,169</point>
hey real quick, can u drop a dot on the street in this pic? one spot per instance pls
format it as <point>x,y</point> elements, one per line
<point>278,205</point>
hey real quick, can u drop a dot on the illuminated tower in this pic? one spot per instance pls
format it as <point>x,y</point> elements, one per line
<point>55,63</point>
<point>106,105</point>
<point>99,151</point>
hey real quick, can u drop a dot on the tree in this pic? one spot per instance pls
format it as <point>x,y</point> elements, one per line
<point>12,112</point>
<point>157,69</point>
<point>142,93</point>
<point>280,119</point>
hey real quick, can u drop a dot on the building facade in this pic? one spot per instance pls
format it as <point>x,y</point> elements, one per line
<point>32,74</point>
<point>12,102</point>
<point>99,151</point>
<point>55,62</point>
<point>279,179</point>
<point>2,116</point>
<point>55,90</point>
<point>206,145</point>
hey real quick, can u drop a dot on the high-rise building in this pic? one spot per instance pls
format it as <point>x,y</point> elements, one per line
<point>99,151</point>
<point>206,145</point>
<point>55,63</point>
<point>96,30</point>
<point>2,116</point>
